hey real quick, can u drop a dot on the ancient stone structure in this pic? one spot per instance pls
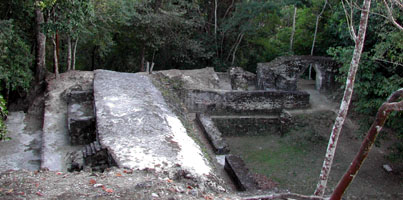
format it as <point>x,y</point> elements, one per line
<point>283,72</point>
<point>80,117</point>
<point>221,102</point>
<point>246,125</point>
<point>239,173</point>
<point>139,129</point>
<point>97,157</point>
<point>213,135</point>
<point>241,79</point>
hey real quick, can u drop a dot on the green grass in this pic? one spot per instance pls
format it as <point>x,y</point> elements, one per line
<point>290,161</point>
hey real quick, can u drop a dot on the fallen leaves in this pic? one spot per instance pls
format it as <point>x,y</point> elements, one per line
<point>92,181</point>
<point>108,190</point>
<point>39,193</point>
<point>98,185</point>
<point>128,171</point>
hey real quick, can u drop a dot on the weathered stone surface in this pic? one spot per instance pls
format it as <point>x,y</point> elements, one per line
<point>246,125</point>
<point>212,133</point>
<point>81,117</point>
<point>96,157</point>
<point>220,102</point>
<point>239,173</point>
<point>138,128</point>
<point>205,78</point>
<point>283,72</point>
<point>240,78</point>
<point>56,146</point>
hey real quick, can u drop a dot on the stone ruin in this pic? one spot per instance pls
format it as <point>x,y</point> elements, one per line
<point>81,125</point>
<point>242,103</point>
<point>227,103</point>
<point>283,72</point>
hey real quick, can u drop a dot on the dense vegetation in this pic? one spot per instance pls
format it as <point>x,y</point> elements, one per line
<point>123,35</point>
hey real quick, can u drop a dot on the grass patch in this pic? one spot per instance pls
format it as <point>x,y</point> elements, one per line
<point>292,160</point>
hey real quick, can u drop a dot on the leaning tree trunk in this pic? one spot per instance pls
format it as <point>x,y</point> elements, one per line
<point>40,51</point>
<point>293,29</point>
<point>315,34</point>
<point>68,53</point>
<point>383,112</point>
<point>331,148</point>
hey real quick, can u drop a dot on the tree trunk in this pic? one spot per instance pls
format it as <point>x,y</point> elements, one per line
<point>73,57</point>
<point>383,112</point>
<point>215,25</point>
<point>94,51</point>
<point>236,48</point>
<point>315,34</point>
<point>55,59</point>
<point>293,29</point>
<point>40,49</point>
<point>68,53</point>
<point>57,47</point>
<point>338,124</point>
<point>142,59</point>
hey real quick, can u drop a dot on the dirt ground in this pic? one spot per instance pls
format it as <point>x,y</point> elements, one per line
<point>294,159</point>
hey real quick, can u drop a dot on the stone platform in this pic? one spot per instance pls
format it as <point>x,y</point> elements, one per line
<point>138,128</point>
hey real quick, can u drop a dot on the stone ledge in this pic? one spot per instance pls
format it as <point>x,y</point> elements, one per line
<point>239,173</point>
<point>213,135</point>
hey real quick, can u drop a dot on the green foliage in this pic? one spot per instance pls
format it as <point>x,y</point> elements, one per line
<point>15,59</point>
<point>380,72</point>
<point>3,114</point>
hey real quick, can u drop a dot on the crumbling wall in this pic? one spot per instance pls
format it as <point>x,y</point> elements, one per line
<point>243,102</point>
<point>283,72</point>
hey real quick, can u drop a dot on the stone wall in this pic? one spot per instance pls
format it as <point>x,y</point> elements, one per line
<point>80,117</point>
<point>247,126</point>
<point>283,72</point>
<point>221,102</point>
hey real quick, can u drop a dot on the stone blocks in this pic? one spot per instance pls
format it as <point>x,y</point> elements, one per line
<point>283,72</point>
<point>212,133</point>
<point>219,102</point>
<point>239,173</point>
<point>80,117</point>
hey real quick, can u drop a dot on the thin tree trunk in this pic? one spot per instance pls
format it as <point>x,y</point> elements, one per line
<point>94,50</point>
<point>293,29</point>
<point>315,34</point>
<point>73,57</point>
<point>215,25</point>
<point>55,59</point>
<point>40,49</point>
<point>68,53</point>
<point>236,48</point>
<point>142,59</point>
<point>57,46</point>
<point>338,124</point>
<point>383,113</point>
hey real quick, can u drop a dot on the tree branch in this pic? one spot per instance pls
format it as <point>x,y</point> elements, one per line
<point>390,16</point>
<point>383,113</point>
<point>349,20</point>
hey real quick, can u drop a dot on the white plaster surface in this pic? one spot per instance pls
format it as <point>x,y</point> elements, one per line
<point>138,128</point>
